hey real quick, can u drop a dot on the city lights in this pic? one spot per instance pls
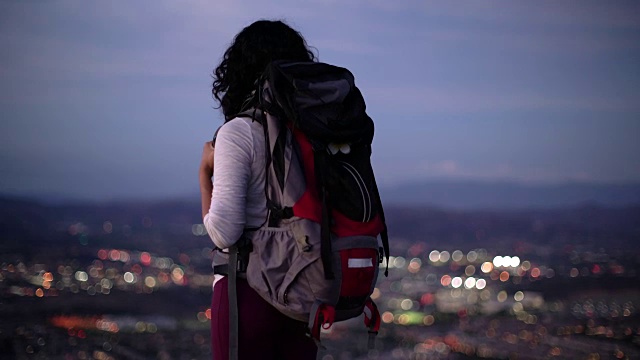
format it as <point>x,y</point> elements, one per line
<point>81,276</point>
<point>518,296</point>
<point>449,300</point>
<point>414,265</point>
<point>472,256</point>
<point>434,256</point>
<point>444,256</point>
<point>481,284</point>
<point>470,283</point>
<point>470,270</point>
<point>457,256</point>
<point>506,261</point>
<point>129,277</point>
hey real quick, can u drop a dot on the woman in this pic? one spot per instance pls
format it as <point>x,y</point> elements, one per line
<point>236,200</point>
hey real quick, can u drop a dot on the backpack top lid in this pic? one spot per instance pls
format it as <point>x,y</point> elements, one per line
<point>319,99</point>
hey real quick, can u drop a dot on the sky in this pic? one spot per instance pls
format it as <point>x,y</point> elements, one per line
<point>112,99</point>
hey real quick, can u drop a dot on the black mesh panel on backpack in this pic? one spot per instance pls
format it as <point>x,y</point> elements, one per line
<point>350,183</point>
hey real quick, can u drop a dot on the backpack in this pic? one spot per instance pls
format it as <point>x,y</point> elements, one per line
<point>317,256</point>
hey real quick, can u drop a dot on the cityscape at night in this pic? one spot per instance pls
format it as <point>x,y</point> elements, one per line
<point>112,282</point>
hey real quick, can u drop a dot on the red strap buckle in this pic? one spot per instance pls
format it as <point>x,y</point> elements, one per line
<point>325,316</point>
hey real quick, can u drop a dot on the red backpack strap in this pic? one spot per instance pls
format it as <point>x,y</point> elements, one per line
<point>321,315</point>
<point>372,321</point>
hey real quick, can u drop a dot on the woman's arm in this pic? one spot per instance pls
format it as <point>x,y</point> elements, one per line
<point>227,215</point>
<point>205,174</point>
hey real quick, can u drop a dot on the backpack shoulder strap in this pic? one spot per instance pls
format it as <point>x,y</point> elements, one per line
<point>277,138</point>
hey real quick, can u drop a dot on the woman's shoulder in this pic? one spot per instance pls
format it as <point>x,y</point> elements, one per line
<point>235,125</point>
<point>240,125</point>
<point>241,130</point>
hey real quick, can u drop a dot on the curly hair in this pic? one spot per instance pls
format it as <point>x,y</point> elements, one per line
<point>247,57</point>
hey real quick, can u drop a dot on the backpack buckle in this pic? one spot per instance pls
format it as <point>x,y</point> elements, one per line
<point>277,214</point>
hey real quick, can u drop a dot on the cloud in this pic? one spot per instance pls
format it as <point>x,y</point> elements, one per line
<point>538,41</point>
<point>348,47</point>
<point>469,100</point>
<point>446,167</point>
<point>397,173</point>
<point>618,14</point>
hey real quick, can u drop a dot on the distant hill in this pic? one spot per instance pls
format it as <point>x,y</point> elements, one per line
<point>168,224</point>
<point>510,195</point>
<point>444,194</point>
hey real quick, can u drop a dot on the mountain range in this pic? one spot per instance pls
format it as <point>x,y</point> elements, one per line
<point>510,195</point>
<point>445,194</point>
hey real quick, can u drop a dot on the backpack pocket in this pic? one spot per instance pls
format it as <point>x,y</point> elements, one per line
<point>359,271</point>
<point>285,267</point>
<point>358,261</point>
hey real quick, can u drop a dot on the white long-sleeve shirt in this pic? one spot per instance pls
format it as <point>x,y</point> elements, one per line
<point>238,199</point>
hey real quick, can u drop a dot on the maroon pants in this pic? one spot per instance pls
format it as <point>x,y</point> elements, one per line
<point>264,332</point>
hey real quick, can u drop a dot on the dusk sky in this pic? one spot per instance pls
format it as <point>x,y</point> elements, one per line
<point>112,99</point>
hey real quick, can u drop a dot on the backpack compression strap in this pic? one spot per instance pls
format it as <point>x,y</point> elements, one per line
<point>325,222</point>
<point>233,302</point>
<point>384,235</point>
<point>372,321</point>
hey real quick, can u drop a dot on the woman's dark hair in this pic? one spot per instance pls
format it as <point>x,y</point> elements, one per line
<point>246,59</point>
